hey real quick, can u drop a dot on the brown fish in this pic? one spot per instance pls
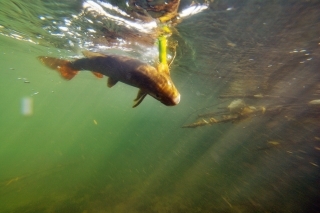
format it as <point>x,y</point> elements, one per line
<point>151,81</point>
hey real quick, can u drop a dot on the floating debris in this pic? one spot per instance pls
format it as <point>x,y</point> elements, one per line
<point>27,106</point>
<point>25,80</point>
<point>314,102</point>
<point>314,164</point>
<point>273,143</point>
<point>269,145</point>
<point>236,106</point>
<point>230,44</point>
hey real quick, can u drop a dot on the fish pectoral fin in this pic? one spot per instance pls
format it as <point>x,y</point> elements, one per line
<point>111,82</point>
<point>89,54</point>
<point>141,95</point>
<point>97,74</point>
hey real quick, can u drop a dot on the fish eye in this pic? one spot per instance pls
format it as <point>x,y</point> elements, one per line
<point>156,95</point>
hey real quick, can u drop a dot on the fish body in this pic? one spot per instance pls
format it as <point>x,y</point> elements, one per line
<point>152,81</point>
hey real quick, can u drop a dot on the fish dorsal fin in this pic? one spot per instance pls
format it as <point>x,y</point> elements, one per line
<point>141,95</point>
<point>111,82</point>
<point>97,74</point>
<point>89,54</point>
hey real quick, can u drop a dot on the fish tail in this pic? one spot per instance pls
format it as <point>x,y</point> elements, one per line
<point>64,67</point>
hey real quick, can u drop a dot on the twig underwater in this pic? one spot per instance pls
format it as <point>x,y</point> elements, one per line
<point>238,111</point>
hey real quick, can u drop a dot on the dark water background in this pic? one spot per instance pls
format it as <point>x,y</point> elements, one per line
<point>84,149</point>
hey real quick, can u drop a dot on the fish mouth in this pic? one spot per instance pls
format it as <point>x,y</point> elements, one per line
<point>168,101</point>
<point>173,101</point>
<point>176,100</point>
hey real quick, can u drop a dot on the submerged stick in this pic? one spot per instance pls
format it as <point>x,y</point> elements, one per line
<point>213,114</point>
<point>256,96</point>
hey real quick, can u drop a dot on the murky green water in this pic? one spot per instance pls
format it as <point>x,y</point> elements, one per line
<point>85,149</point>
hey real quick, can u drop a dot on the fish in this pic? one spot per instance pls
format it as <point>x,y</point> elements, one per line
<point>153,81</point>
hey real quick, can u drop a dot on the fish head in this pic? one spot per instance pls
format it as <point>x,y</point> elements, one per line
<point>157,83</point>
<point>165,92</point>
